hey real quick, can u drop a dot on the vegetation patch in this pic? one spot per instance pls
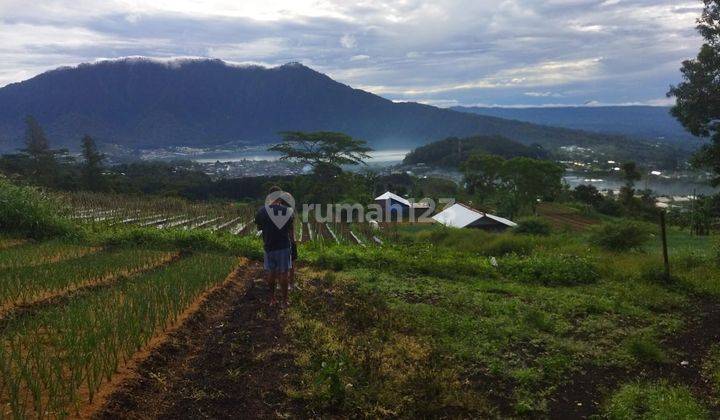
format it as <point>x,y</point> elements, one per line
<point>621,236</point>
<point>550,270</point>
<point>654,401</point>
<point>533,226</point>
<point>25,211</point>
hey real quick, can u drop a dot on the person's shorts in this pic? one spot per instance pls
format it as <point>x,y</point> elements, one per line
<point>278,261</point>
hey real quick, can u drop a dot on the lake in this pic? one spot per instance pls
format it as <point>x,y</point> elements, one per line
<point>377,157</point>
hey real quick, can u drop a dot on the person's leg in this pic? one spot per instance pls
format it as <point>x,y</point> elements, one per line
<point>283,277</point>
<point>272,282</point>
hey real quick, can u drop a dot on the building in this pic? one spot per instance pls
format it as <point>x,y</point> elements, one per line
<point>462,216</point>
<point>393,206</point>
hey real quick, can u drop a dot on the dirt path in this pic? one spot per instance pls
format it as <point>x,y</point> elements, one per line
<point>583,395</point>
<point>229,360</point>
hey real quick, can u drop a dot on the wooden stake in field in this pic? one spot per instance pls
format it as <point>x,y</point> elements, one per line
<point>663,232</point>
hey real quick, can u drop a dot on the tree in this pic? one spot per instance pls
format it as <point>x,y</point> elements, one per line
<point>630,174</point>
<point>92,165</point>
<point>325,151</point>
<point>482,173</point>
<point>587,194</point>
<point>532,179</point>
<point>42,163</point>
<point>698,96</point>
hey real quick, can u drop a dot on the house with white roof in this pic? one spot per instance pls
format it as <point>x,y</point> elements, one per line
<point>393,206</point>
<point>397,206</point>
<point>462,216</point>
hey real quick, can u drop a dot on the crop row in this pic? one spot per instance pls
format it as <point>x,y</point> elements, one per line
<point>50,359</point>
<point>29,254</point>
<point>24,284</point>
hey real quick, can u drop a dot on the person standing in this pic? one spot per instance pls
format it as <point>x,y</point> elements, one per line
<point>276,221</point>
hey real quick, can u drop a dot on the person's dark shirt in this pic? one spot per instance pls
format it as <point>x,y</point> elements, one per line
<point>274,238</point>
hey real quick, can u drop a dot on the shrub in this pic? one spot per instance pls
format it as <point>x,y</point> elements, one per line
<point>620,236</point>
<point>609,207</point>
<point>654,401</point>
<point>550,270</point>
<point>533,226</point>
<point>26,211</point>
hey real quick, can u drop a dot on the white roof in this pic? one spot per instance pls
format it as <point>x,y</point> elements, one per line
<point>391,196</point>
<point>460,216</point>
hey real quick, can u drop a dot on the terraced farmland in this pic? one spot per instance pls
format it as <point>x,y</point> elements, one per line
<point>71,315</point>
<point>119,211</point>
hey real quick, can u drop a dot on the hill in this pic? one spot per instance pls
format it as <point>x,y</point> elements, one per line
<point>449,153</point>
<point>647,122</point>
<point>141,103</point>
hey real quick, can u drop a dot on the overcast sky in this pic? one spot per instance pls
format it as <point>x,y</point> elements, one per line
<point>442,52</point>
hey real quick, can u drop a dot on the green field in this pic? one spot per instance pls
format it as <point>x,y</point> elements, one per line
<point>430,327</point>
<point>434,322</point>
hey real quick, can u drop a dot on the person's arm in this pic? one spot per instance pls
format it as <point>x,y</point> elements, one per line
<point>259,219</point>
<point>291,230</point>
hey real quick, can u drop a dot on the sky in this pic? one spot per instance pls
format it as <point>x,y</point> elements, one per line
<point>439,52</point>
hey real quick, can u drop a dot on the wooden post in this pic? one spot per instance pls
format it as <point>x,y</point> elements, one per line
<point>663,231</point>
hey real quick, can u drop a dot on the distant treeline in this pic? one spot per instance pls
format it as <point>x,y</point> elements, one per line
<point>453,151</point>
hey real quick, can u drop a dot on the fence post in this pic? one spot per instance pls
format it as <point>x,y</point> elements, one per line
<point>663,230</point>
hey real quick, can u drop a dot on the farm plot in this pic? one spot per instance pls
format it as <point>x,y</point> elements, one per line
<point>30,254</point>
<point>10,242</point>
<point>160,213</point>
<point>22,285</point>
<point>56,359</point>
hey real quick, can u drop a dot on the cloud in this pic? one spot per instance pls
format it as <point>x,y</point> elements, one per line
<point>348,41</point>
<point>509,52</point>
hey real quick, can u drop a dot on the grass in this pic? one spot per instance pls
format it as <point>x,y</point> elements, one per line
<point>483,340</point>
<point>655,401</point>
<point>46,359</point>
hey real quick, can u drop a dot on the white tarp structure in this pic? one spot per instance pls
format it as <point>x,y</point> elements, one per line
<point>460,216</point>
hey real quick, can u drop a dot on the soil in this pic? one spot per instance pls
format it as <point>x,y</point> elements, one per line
<point>229,359</point>
<point>582,397</point>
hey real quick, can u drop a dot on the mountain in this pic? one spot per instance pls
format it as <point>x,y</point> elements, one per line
<point>142,103</point>
<point>647,122</point>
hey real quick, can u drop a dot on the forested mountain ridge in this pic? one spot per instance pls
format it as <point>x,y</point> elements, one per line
<point>141,103</point>
<point>646,122</point>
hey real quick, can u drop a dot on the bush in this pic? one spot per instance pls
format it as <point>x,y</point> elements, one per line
<point>502,245</point>
<point>26,211</point>
<point>550,270</point>
<point>609,207</point>
<point>621,236</point>
<point>654,401</point>
<point>533,226</point>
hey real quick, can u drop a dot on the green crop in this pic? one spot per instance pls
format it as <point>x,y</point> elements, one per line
<point>48,358</point>
<point>30,254</point>
<point>25,284</point>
